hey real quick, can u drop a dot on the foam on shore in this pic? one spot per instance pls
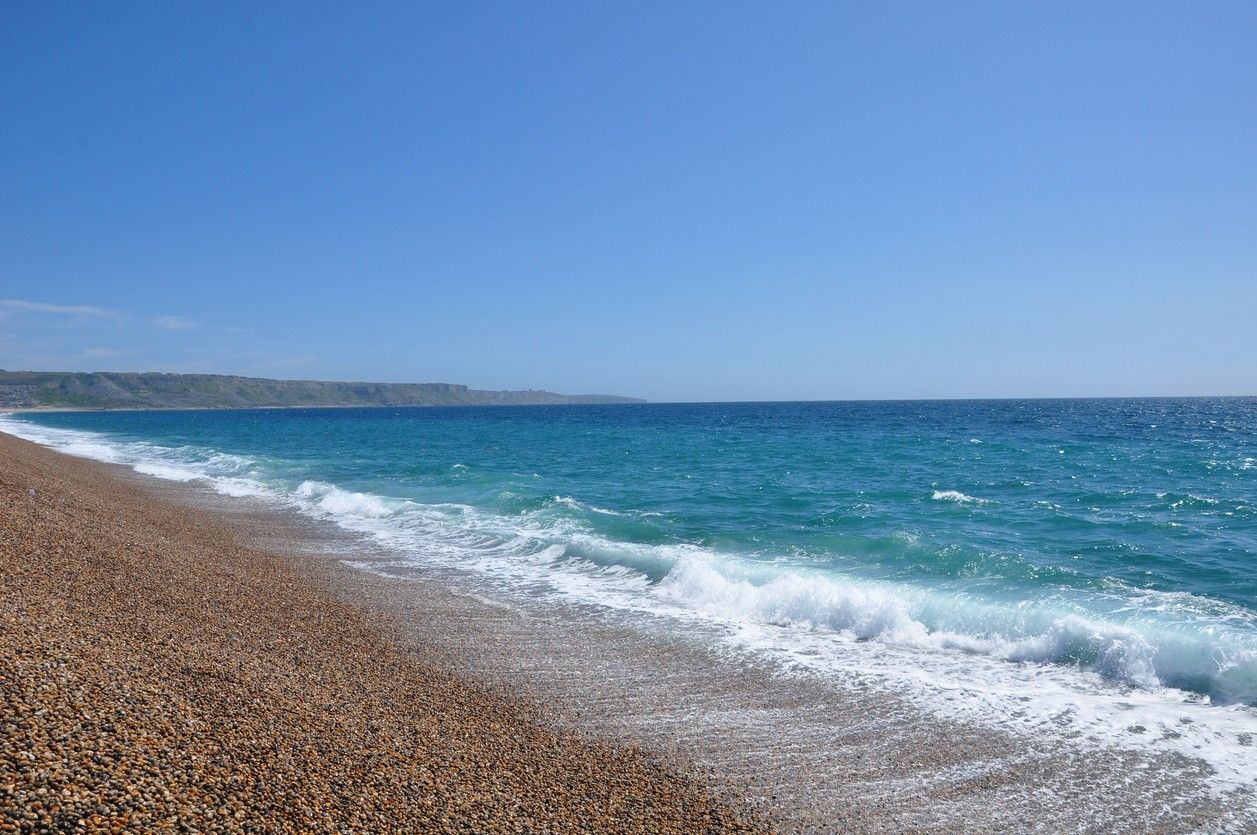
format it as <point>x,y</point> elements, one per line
<point>159,670</point>
<point>1054,672</point>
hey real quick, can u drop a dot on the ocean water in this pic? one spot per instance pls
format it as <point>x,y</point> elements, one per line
<point>1085,568</point>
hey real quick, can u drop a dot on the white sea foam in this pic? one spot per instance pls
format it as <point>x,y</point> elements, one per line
<point>226,473</point>
<point>168,472</point>
<point>1124,654</point>
<point>956,496</point>
<point>795,599</point>
<point>568,501</point>
<point>337,502</point>
<point>1024,667</point>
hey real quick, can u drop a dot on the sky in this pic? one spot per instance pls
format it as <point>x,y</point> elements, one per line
<point>678,201</point>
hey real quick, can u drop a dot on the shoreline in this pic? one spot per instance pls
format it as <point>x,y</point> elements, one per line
<point>813,755</point>
<point>158,674</point>
<point>109,409</point>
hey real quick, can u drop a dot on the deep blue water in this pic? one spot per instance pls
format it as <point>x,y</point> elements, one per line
<point>1115,537</point>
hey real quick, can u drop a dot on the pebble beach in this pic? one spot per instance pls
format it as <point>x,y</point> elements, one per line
<point>156,674</point>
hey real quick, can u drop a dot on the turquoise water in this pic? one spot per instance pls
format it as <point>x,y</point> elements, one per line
<point>1112,539</point>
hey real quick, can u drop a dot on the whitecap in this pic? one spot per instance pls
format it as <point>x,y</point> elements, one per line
<point>956,496</point>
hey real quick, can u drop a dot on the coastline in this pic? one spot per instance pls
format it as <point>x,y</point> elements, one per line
<point>159,674</point>
<point>814,755</point>
<point>54,409</point>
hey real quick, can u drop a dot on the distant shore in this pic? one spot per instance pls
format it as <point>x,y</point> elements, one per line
<point>58,409</point>
<point>157,675</point>
<point>156,390</point>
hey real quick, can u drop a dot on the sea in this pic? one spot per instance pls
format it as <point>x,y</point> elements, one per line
<point>1082,568</point>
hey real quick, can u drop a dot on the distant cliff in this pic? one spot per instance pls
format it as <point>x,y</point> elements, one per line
<point>124,390</point>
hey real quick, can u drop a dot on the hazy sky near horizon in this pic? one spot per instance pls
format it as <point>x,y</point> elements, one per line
<point>681,201</point>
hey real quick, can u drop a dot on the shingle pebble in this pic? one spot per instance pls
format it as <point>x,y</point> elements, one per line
<point>156,675</point>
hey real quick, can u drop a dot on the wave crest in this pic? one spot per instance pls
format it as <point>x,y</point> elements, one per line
<point>956,496</point>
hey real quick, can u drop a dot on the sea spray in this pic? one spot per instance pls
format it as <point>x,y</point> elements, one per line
<point>1110,583</point>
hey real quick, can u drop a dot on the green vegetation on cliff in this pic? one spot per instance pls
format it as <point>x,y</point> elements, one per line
<point>125,390</point>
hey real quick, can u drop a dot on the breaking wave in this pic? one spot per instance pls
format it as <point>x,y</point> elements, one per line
<point>1176,647</point>
<point>956,496</point>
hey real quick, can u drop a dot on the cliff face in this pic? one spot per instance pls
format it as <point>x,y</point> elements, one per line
<point>126,390</point>
<point>16,396</point>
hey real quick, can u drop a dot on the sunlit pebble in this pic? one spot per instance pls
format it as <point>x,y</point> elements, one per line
<point>206,688</point>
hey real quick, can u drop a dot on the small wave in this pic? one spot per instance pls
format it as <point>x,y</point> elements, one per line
<point>79,444</point>
<point>333,500</point>
<point>1142,644</point>
<point>1128,651</point>
<point>168,472</point>
<point>228,474</point>
<point>1190,500</point>
<point>1124,654</point>
<point>242,487</point>
<point>568,501</point>
<point>956,496</point>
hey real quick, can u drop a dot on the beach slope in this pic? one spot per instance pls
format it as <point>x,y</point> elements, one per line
<point>155,674</point>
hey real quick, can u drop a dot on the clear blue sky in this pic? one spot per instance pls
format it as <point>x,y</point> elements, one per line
<point>678,201</point>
